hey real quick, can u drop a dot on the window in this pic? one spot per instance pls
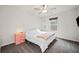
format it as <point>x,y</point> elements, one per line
<point>53,23</point>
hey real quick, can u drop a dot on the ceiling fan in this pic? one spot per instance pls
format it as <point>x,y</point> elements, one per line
<point>42,9</point>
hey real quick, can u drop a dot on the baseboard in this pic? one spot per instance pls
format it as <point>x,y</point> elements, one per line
<point>10,43</point>
<point>69,40</point>
<point>7,44</point>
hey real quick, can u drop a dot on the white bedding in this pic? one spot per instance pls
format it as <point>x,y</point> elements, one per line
<point>31,36</point>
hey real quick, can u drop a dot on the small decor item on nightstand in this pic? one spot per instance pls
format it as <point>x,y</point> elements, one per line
<point>19,37</point>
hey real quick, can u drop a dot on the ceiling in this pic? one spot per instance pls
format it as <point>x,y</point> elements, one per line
<point>58,9</point>
<point>30,8</point>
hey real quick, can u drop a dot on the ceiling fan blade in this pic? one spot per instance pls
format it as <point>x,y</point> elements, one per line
<point>53,8</point>
<point>37,8</point>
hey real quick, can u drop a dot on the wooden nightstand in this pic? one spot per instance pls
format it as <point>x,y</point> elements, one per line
<point>19,37</point>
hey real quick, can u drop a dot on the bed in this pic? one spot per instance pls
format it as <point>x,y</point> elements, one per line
<point>40,38</point>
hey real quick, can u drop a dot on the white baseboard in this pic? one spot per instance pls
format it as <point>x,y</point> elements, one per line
<point>7,44</point>
<point>69,39</point>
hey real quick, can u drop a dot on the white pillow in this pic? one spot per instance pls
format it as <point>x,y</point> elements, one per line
<point>33,31</point>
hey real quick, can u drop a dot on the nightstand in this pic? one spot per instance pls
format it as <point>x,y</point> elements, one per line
<point>19,38</point>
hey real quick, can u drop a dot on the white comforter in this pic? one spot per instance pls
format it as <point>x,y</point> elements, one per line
<point>31,36</point>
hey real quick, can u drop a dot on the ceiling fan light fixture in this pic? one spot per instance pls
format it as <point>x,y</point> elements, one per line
<point>44,11</point>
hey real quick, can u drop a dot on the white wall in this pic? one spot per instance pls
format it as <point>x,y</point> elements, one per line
<point>67,25</point>
<point>45,23</point>
<point>78,11</point>
<point>12,18</point>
